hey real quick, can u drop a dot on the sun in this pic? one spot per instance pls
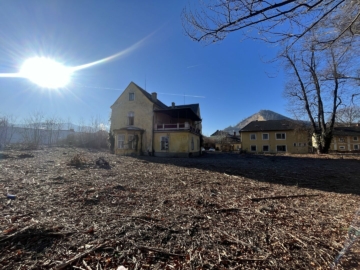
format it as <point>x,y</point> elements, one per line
<point>46,72</point>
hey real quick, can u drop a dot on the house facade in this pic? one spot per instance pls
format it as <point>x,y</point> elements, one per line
<point>142,124</point>
<point>346,139</point>
<point>275,136</point>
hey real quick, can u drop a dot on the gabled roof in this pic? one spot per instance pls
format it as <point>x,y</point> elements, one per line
<point>273,125</point>
<point>346,131</point>
<point>148,95</point>
<point>219,133</point>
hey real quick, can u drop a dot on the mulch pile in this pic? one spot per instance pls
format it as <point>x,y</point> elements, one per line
<point>77,209</point>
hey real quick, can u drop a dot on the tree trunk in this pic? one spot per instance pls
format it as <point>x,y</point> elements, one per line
<point>323,141</point>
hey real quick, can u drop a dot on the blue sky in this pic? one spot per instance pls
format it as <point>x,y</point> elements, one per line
<point>232,75</point>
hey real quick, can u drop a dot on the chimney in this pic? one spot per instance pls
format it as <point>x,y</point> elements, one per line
<point>172,105</point>
<point>154,96</point>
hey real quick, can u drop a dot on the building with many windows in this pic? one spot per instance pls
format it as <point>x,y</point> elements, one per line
<point>275,136</point>
<point>345,139</point>
<point>142,124</point>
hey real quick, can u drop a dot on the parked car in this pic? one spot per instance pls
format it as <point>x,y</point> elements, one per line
<point>211,149</point>
<point>202,149</point>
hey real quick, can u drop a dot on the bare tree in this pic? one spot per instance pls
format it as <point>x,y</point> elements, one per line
<point>317,86</point>
<point>7,129</point>
<point>33,130</point>
<point>91,134</point>
<point>52,126</point>
<point>348,115</point>
<point>273,21</point>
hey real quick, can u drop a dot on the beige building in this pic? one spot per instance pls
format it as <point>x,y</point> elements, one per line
<point>142,124</point>
<point>275,136</point>
<point>345,139</point>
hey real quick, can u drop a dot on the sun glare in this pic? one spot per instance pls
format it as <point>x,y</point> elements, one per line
<point>46,72</point>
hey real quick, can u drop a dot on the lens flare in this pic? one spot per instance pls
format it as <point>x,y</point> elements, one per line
<point>46,72</point>
<point>49,73</point>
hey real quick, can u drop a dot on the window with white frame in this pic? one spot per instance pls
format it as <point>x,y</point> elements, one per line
<point>131,118</point>
<point>253,148</point>
<point>121,140</point>
<point>265,136</point>
<point>164,143</point>
<point>253,136</point>
<point>356,147</point>
<point>281,148</point>
<point>131,96</point>
<point>131,142</point>
<point>342,147</point>
<point>355,138</point>
<point>280,136</point>
<point>265,148</point>
<point>341,139</point>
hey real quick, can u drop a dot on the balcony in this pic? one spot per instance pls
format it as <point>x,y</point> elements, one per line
<point>177,126</point>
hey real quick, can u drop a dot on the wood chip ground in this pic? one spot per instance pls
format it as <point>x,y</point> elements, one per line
<point>218,211</point>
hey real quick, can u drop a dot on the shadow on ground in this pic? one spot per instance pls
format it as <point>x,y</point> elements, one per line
<point>320,173</point>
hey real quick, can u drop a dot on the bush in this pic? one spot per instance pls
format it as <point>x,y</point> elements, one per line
<point>94,140</point>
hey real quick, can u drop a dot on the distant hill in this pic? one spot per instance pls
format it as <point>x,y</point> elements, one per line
<point>262,115</point>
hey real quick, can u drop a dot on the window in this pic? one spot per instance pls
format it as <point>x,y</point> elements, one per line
<point>356,147</point>
<point>265,136</point>
<point>280,136</point>
<point>192,143</point>
<point>164,143</point>
<point>265,148</point>
<point>131,118</point>
<point>253,148</point>
<point>300,144</point>
<point>252,136</point>
<point>342,147</point>
<point>131,142</point>
<point>355,138</point>
<point>341,139</point>
<point>281,148</point>
<point>121,139</point>
<point>131,96</point>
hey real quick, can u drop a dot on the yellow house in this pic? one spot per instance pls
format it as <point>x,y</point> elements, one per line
<point>346,139</point>
<point>142,124</point>
<point>275,136</point>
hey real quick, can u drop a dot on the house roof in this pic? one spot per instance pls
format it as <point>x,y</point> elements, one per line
<point>273,125</point>
<point>219,133</point>
<point>185,112</point>
<point>148,95</point>
<point>194,107</point>
<point>233,138</point>
<point>346,131</point>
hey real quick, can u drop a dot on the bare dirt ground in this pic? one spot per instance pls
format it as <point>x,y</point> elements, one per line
<point>218,211</point>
